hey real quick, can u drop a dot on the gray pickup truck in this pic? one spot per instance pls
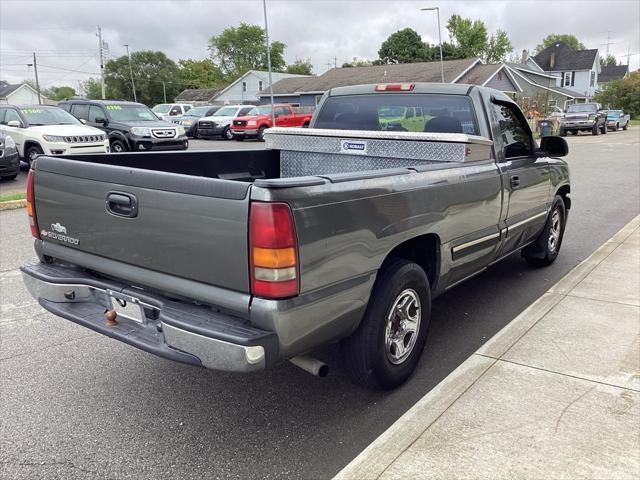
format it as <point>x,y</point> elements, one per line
<point>345,231</point>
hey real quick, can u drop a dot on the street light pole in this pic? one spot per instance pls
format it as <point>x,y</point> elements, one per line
<point>35,71</point>
<point>266,31</point>
<point>437,9</point>
<point>133,85</point>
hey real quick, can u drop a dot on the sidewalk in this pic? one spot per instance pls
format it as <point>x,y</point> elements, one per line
<point>555,394</point>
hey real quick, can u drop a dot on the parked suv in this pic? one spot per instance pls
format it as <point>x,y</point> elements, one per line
<point>584,117</point>
<point>9,160</point>
<point>168,110</point>
<point>129,126</point>
<point>190,119</point>
<point>38,129</point>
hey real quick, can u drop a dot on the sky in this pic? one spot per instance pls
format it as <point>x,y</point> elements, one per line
<point>63,32</point>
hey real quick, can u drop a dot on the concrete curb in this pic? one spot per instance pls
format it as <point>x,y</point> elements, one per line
<point>372,462</point>
<point>13,204</point>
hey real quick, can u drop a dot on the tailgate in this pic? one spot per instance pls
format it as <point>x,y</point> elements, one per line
<point>186,226</point>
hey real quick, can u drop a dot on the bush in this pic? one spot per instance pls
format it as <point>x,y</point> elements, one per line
<point>623,93</point>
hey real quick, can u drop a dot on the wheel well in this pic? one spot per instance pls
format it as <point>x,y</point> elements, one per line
<point>423,250</point>
<point>564,192</point>
<point>27,145</point>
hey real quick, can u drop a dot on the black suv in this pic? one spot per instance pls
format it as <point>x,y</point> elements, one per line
<point>130,126</point>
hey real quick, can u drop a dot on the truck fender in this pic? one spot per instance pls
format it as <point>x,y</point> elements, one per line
<point>26,145</point>
<point>119,136</point>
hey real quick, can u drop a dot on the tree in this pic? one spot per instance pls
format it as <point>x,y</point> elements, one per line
<point>469,38</point>
<point>572,42</point>
<point>359,63</point>
<point>404,46</point>
<point>151,71</point>
<point>59,93</point>
<point>608,61</point>
<point>498,48</point>
<point>300,67</point>
<point>92,88</point>
<point>199,73</point>
<point>623,93</point>
<point>243,48</point>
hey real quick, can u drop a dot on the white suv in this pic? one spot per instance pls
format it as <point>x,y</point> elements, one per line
<point>167,110</point>
<point>40,129</point>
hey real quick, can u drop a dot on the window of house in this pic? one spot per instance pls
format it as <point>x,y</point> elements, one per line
<point>593,78</point>
<point>567,79</point>
<point>260,85</point>
<point>244,86</point>
<point>499,76</point>
<point>516,139</point>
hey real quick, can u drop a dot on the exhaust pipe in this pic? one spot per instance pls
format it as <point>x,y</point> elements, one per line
<point>311,365</point>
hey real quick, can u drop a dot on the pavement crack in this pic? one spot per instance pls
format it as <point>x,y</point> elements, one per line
<point>565,409</point>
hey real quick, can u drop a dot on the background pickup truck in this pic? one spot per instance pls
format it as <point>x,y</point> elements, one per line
<point>259,119</point>
<point>617,119</point>
<point>584,117</point>
<point>340,232</point>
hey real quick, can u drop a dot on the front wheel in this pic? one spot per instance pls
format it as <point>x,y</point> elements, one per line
<point>625,127</point>
<point>117,146</point>
<point>604,129</point>
<point>545,249</point>
<point>32,153</point>
<point>227,134</point>
<point>11,177</point>
<point>595,130</point>
<point>261,133</point>
<point>563,132</point>
<point>384,351</point>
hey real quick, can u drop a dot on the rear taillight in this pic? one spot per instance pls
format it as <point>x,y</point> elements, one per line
<point>273,251</point>
<point>31,206</point>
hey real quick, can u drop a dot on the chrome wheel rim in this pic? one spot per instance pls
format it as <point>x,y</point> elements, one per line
<point>33,155</point>
<point>402,327</point>
<point>117,148</point>
<point>228,134</point>
<point>554,231</point>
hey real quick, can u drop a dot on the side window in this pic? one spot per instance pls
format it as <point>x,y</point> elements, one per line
<point>409,113</point>
<point>3,111</point>
<point>80,111</point>
<point>187,108</point>
<point>10,116</point>
<point>281,111</point>
<point>514,135</point>
<point>244,111</point>
<point>175,110</point>
<point>65,106</point>
<point>94,113</point>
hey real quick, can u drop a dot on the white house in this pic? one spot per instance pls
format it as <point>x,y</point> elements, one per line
<point>20,94</point>
<point>245,89</point>
<point>575,70</point>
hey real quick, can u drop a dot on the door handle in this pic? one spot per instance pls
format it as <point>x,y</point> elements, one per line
<point>515,181</point>
<point>122,204</point>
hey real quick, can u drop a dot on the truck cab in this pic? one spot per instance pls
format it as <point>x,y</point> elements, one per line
<point>254,123</point>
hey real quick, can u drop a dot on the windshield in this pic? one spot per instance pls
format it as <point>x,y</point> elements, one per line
<point>48,116</point>
<point>260,111</point>
<point>614,113</point>
<point>226,112</point>
<point>162,108</point>
<point>399,113</point>
<point>130,113</point>
<point>197,112</point>
<point>585,107</point>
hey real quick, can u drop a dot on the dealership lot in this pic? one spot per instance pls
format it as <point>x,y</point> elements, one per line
<point>74,403</point>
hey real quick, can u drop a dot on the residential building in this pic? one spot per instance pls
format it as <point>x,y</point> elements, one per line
<point>20,94</point>
<point>612,72</point>
<point>198,96</point>
<point>576,70</point>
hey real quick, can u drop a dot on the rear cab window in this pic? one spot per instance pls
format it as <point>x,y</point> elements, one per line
<point>434,113</point>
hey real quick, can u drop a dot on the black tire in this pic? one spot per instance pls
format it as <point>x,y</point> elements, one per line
<point>31,154</point>
<point>563,132</point>
<point>118,146</point>
<point>261,133</point>
<point>617,127</point>
<point>574,132</point>
<point>238,139</point>
<point>366,354</point>
<point>604,129</point>
<point>543,251</point>
<point>305,125</point>
<point>10,177</point>
<point>625,127</point>
<point>595,130</point>
<point>227,134</point>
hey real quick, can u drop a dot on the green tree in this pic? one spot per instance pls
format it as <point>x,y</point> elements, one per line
<point>150,70</point>
<point>498,48</point>
<point>92,88</point>
<point>199,73</point>
<point>471,39</point>
<point>623,93</point>
<point>608,61</point>
<point>404,46</point>
<point>243,48</point>
<point>359,63</point>
<point>569,39</point>
<point>59,93</point>
<point>300,67</point>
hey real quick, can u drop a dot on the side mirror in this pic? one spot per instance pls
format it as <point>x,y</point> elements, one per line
<point>554,146</point>
<point>99,120</point>
<point>14,123</point>
<point>83,121</point>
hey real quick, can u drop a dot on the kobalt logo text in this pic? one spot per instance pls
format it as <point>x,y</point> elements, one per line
<point>347,146</point>
<point>354,146</point>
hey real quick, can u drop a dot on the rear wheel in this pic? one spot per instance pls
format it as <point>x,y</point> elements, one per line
<point>32,153</point>
<point>545,249</point>
<point>384,351</point>
<point>117,146</point>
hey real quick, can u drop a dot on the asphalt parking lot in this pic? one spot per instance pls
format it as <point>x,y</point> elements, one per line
<point>74,404</point>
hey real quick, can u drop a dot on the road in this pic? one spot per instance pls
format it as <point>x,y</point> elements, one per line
<point>76,404</point>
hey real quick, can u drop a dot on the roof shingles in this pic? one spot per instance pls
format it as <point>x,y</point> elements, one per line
<point>560,57</point>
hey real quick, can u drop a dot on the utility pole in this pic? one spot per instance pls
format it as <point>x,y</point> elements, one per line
<point>328,66</point>
<point>101,47</point>
<point>335,62</point>
<point>35,70</point>
<point>164,92</point>
<point>266,31</point>
<point>437,9</point>
<point>133,85</point>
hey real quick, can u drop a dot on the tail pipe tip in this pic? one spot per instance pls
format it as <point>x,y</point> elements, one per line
<point>311,365</point>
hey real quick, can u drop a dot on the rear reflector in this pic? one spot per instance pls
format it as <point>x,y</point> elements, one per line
<point>273,251</point>
<point>395,87</point>
<point>31,205</point>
